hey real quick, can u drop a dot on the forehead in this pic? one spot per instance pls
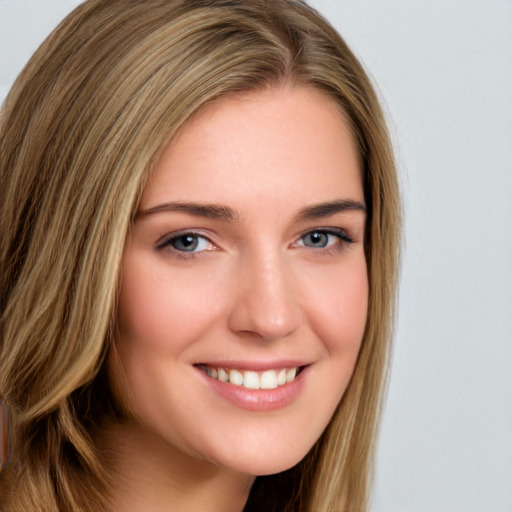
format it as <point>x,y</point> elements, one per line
<point>260,144</point>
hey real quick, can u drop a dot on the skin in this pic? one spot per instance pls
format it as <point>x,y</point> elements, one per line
<point>255,289</point>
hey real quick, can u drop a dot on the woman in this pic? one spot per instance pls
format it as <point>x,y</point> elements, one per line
<point>199,229</point>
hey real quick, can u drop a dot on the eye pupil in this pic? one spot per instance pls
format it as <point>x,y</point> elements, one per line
<point>316,239</point>
<point>186,243</point>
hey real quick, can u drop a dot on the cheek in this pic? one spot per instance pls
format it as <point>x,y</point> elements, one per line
<point>161,310</point>
<point>338,307</point>
<point>143,312</point>
<point>340,321</point>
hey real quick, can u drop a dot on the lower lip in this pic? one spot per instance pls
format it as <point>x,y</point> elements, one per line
<point>258,399</point>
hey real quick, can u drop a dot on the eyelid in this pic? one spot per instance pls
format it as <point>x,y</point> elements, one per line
<point>164,240</point>
<point>342,234</point>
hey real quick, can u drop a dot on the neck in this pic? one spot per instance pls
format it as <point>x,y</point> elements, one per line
<point>149,474</point>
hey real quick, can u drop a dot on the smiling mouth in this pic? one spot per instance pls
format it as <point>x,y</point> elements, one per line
<point>268,379</point>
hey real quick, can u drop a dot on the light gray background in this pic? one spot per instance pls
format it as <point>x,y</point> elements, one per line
<point>444,69</point>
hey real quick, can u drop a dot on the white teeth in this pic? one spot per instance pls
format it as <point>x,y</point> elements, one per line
<point>268,379</point>
<point>222,375</point>
<point>236,378</point>
<point>251,380</point>
<point>290,374</point>
<point>212,372</point>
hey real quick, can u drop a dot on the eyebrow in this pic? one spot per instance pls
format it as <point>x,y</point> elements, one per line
<point>321,210</point>
<point>210,211</point>
<point>228,214</point>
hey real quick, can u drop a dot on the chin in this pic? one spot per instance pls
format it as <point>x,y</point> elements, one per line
<point>265,460</point>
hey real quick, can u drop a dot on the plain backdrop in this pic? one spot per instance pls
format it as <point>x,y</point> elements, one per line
<point>444,71</point>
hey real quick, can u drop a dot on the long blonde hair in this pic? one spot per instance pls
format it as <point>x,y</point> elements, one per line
<point>80,132</point>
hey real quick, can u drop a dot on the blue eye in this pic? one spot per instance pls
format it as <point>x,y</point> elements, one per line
<point>324,239</point>
<point>316,239</point>
<point>187,242</point>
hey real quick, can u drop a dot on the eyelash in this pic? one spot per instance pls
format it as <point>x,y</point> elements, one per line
<point>167,242</point>
<point>343,239</point>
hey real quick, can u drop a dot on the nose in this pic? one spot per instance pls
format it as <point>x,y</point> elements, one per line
<point>265,304</point>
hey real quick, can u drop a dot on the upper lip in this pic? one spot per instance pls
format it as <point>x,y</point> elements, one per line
<point>255,365</point>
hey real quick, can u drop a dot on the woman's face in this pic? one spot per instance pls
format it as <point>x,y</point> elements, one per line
<point>244,291</point>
